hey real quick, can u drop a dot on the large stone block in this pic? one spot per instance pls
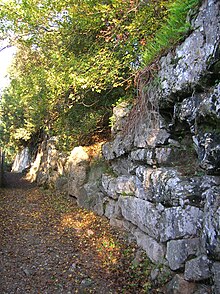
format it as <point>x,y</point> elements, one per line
<point>178,251</point>
<point>178,285</point>
<point>123,185</point>
<point>180,222</point>
<point>76,168</point>
<point>211,231</point>
<point>121,145</point>
<point>153,249</point>
<point>183,69</point>
<point>142,214</point>
<point>171,189</point>
<point>198,269</point>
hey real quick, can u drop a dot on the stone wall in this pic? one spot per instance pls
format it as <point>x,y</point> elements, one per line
<point>160,179</point>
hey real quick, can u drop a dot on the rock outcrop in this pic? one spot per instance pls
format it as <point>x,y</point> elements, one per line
<point>22,161</point>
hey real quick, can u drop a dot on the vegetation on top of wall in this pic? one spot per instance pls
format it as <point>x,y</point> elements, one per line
<point>75,59</point>
<point>172,31</point>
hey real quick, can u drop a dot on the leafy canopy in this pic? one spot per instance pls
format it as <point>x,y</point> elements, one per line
<point>74,59</point>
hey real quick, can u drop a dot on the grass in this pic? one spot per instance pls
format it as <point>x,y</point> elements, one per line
<point>172,31</point>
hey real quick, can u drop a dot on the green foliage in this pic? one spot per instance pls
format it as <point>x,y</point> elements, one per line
<point>172,31</point>
<point>75,59</point>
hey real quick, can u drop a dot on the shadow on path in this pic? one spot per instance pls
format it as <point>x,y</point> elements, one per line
<point>17,181</point>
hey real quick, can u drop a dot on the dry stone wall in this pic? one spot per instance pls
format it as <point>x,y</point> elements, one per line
<point>162,181</point>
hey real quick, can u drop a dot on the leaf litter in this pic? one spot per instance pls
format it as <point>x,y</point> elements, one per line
<point>50,245</point>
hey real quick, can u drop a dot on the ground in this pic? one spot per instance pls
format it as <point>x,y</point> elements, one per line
<point>49,245</point>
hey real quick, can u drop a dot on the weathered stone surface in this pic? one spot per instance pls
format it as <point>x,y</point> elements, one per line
<point>216,273</point>
<point>208,149</point>
<point>123,166</point>
<point>120,112</point>
<point>122,185</point>
<point>126,185</point>
<point>170,188</point>
<point>145,137</point>
<point>180,222</point>
<point>211,231</point>
<point>112,209</point>
<point>120,146</point>
<point>144,185</point>
<point>76,168</point>
<point>178,285</point>
<point>153,249</point>
<point>160,156</point>
<point>93,197</point>
<point>22,161</point>
<point>198,269</point>
<point>183,69</point>
<point>178,251</point>
<point>141,213</point>
<point>210,104</point>
<point>109,185</point>
<point>195,110</point>
<point>166,184</point>
<point>61,184</point>
<point>144,155</point>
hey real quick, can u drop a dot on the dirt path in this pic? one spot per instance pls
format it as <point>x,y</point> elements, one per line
<point>49,245</point>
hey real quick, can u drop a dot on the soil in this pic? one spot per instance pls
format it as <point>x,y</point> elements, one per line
<point>49,245</point>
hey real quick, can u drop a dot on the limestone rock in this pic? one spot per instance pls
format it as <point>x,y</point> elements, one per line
<point>145,137</point>
<point>180,222</point>
<point>195,110</point>
<point>123,166</point>
<point>120,112</point>
<point>141,213</point>
<point>109,185</point>
<point>171,189</point>
<point>22,161</point>
<point>112,210</point>
<point>211,231</point>
<point>198,269</point>
<point>144,155</point>
<point>122,185</point>
<point>178,285</point>
<point>183,69</point>
<point>153,249</point>
<point>178,251</point>
<point>216,273</point>
<point>76,168</point>
<point>120,146</point>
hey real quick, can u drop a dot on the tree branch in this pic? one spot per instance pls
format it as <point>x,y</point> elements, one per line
<point>5,47</point>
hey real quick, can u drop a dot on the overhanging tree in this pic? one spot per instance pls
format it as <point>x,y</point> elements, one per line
<point>74,59</point>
